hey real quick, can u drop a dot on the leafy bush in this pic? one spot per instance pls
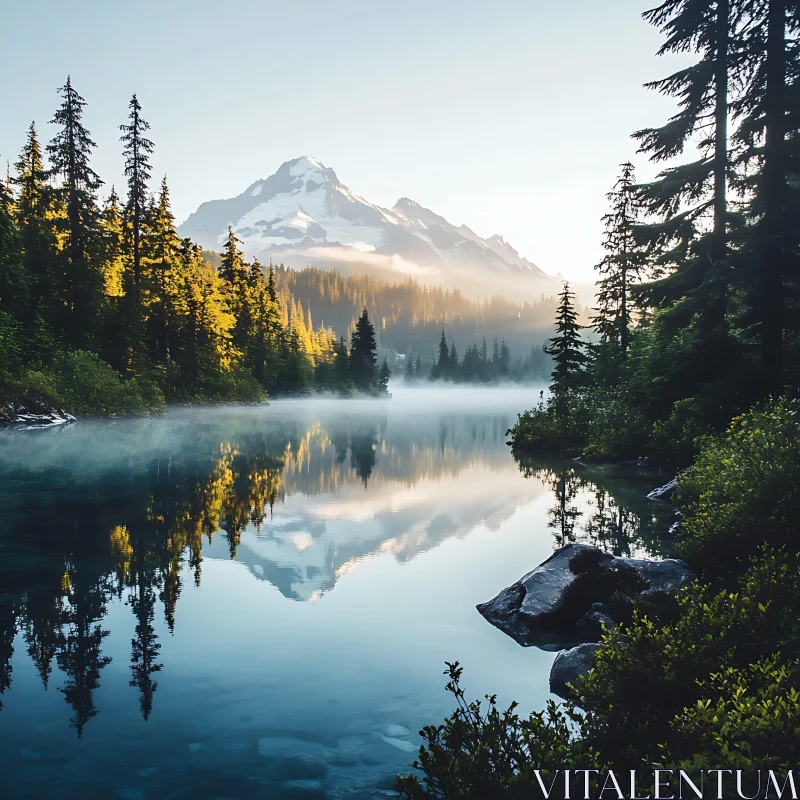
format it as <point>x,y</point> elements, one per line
<point>492,754</point>
<point>742,489</point>
<point>552,425</point>
<point>604,424</point>
<point>720,686</point>
<point>644,682</point>
<point>82,383</point>
<point>749,718</point>
<point>616,427</point>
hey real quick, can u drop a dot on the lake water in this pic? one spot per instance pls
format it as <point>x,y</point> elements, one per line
<point>258,602</point>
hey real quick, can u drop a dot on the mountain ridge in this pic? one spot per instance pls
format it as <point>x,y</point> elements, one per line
<point>304,214</point>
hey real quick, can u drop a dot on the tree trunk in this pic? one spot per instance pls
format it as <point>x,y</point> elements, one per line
<point>773,191</point>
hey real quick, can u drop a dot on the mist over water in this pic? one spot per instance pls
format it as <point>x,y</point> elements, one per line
<point>190,601</point>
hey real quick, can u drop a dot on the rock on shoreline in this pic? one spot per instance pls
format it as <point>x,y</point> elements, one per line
<point>29,410</point>
<point>578,593</point>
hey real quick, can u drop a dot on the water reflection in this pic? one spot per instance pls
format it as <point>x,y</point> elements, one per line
<point>604,505</point>
<point>128,509</point>
<point>127,512</point>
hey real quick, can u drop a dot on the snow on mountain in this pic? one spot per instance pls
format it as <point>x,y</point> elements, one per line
<point>303,214</point>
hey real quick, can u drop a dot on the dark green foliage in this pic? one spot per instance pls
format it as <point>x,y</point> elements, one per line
<point>363,360</point>
<point>116,293</point>
<point>84,384</point>
<point>621,266</point>
<point>744,480</point>
<point>642,698</point>
<point>137,149</point>
<point>81,282</point>
<point>567,349</point>
<point>490,753</point>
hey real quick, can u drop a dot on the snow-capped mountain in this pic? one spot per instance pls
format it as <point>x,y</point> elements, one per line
<point>303,214</point>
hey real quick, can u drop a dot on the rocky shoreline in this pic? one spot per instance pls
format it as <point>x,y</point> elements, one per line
<point>581,592</point>
<point>29,410</point>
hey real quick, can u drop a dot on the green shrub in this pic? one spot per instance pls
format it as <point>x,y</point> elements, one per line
<point>481,754</point>
<point>83,384</point>
<point>678,438</point>
<point>553,425</point>
<point>616,427</point>
<point>749,718</point>
<point>742,489</point>
<point>719,687</point>
<point>647,679</point>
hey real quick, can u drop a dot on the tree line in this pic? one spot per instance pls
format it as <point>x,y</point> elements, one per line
<point>698,303</point>
<point>105,298</point>
<point>477,365</point>
<point>409,316</point>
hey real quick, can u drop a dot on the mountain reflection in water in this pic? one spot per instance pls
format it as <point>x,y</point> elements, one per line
<point>301,493</point>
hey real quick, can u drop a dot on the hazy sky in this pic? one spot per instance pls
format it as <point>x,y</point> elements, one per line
<point>511,116</point>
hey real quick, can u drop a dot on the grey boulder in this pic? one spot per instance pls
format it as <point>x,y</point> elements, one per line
<point>569,666</point>
<point>544,608</point>
<point>663,493</point>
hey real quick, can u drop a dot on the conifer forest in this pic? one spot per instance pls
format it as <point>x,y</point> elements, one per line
<point>335,499</point>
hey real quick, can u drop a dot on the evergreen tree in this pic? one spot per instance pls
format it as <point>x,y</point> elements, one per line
<point>165,293</point>
<point>341,366</point>
<point>769,109</point>
<point>13,277</point>
<point>409,368</point>
<point>418,367</point>
<point>34,214</point>
<point>383,377</point>
<point>442,367</point>
<point>696,289</point>
<point>137,149</point>
<point>621,265</point>
<point>363,361</point>
<point>566,348</point>
<point>70,151</point>
<point>452,361</point>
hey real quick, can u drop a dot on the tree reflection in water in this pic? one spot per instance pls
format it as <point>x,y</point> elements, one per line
<point>129,521</point>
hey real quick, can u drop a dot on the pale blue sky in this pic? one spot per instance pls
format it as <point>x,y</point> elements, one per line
<point>510,116</point>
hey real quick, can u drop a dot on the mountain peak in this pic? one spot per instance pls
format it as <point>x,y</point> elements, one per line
<point>304,214</point>
<point>406,202</point>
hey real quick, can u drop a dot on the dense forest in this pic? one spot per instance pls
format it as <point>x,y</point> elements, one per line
<point>478,365</point>
<point>409,317</point>
<point>691,360</point>
<point>104,309</point>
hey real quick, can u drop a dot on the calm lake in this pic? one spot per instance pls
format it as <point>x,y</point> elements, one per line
<point>258,602</point>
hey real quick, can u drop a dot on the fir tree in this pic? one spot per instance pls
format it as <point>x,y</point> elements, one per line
<point>14,284</point>
<point>442,367</point>
<point>137,149</point>
<point>566,348</point>
<point>621,265</point>
<point>409,368</point>
<point>70,151</point>
<point>770,118</point>
<point>34,214</point>
<point>383,377</point>
<point>363,349</point>
<point>696,289</point>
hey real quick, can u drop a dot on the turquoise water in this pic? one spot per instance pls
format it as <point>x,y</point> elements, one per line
<point>258,602</point>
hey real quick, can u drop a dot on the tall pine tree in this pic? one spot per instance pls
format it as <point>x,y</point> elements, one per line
<point>70,152</point>
<point>621,266</point>
<point>567,349</point>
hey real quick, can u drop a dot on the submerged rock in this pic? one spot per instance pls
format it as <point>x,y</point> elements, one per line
<point>569,666</point>
<point>663,493</point>
<point>553,606</point>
